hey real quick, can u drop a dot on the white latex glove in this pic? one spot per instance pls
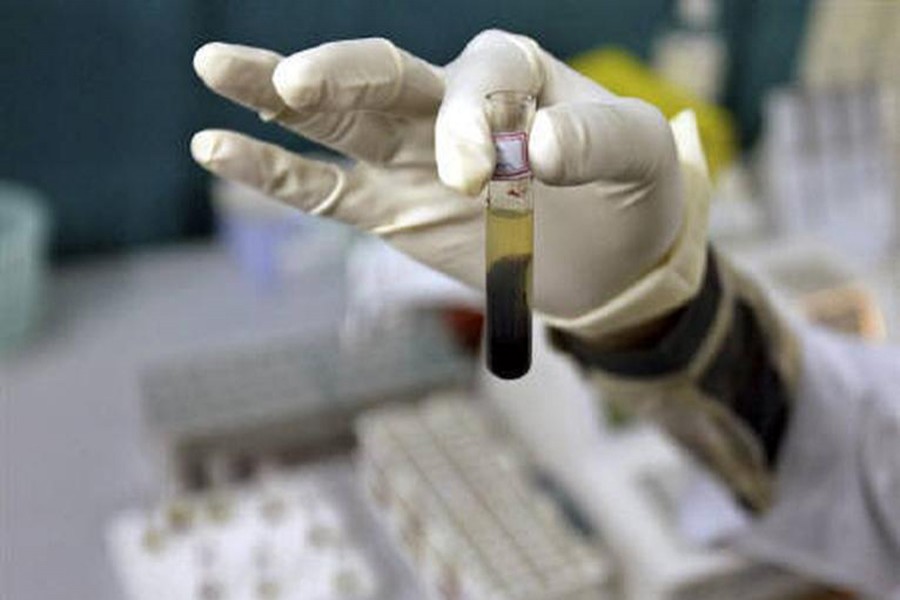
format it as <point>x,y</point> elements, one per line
<point>609,210</point>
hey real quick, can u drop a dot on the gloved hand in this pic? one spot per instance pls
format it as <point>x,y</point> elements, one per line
<point>616,243</point>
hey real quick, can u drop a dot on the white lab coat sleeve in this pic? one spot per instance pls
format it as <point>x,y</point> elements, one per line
<point>803,425</point>
<point>836,514</point>
<point>720,381</point>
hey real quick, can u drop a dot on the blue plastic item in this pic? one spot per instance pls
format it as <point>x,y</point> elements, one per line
<point>271,242</point>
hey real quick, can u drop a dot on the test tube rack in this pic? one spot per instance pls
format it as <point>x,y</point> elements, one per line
<point>288,541</point>
<point>462,506</point>
<point>294,398</point>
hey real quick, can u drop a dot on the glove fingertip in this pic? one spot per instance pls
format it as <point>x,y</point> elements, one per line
<point>204,54</point>
<point>204,145</point>
<point>209,62</point>
<point>297,83</point>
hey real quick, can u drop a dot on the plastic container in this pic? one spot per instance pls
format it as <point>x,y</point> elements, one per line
<point>270,242</point>
<point>24,224</point>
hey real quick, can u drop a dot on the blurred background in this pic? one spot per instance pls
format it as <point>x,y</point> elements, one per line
<point>205,395</point>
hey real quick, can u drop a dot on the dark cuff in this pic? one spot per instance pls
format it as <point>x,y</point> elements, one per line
<point>742,374</point>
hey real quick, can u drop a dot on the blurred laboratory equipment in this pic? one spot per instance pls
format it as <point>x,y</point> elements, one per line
<point>307,549</point>
<point>24,224</point>
<point>386,290</point>
<point>381,279</point>
<point>692,53</point>
<point>806,274</point>
<point>815,280</point>
<point>292,397</point>
<point>271,242</point>
<point>463,506</point>
<point>851,43</point>
<point>826,167</point>
<point>663,521</point>
<point>830,157</point>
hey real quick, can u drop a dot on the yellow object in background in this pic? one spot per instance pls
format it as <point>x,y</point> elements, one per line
<point>623,74</point>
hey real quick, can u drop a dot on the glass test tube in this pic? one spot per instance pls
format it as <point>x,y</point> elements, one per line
<point>509,236</point>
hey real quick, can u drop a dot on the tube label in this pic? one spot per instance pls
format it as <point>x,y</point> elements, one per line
<point>512,156</point>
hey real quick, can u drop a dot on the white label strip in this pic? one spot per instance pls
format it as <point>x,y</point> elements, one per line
<point>512,155</point>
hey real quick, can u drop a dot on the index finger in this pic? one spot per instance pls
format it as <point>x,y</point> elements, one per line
<point>362,74</point>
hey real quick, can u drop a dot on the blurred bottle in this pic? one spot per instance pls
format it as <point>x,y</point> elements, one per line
<point>24,225</point>
<point>692,53</point>
<point>271,242</point>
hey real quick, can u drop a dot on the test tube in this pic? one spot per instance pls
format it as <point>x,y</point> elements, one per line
<point>273,505</point>
<point>219,475</point>
<point>509,235</point>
